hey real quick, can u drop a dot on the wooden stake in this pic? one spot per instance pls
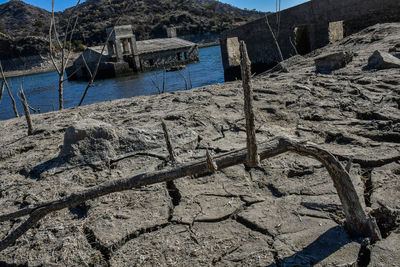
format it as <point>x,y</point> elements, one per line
<point>27,113</point>
<point>245,66</point>
<point>212,166</point>
<point>171,152</point>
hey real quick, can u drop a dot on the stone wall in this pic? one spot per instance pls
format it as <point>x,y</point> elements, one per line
<point>312,20</point>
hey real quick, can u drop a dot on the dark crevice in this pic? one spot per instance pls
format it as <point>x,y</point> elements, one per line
<point>275,192</point>
<point>96,244</point>
<point>107,251</point>
<point>388,137</point>
<point>368,186</point>
<point>174,193</point>
<point>387,220</point>
<point>252,226</point>
<point>5,264</point>
<point>364,255</point>
<point>114,247</point>
<point>226,253</point>
<point>80,211</point>
<point>365,163</point>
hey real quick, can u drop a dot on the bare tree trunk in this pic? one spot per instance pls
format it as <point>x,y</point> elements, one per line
<point>27,113</point>
<point>245,64</point>
<point>61,90</point>
<point>358,222</point>
<point>14,104</point>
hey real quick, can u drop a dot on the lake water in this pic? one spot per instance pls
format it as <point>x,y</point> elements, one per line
<point>41,89</point>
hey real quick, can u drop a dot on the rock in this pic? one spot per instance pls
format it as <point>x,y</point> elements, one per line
<point>90,139</point>
<point>333,61</point>
<point>386,252</point>
<point>383,60</point>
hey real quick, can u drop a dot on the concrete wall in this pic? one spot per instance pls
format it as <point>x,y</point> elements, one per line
<point>170,58</point>
<point>313,17</point>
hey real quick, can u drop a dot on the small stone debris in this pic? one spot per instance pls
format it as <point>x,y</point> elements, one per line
<point>383,60</point>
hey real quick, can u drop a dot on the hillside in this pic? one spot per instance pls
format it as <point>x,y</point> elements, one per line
<point>149,18</point>
<point>20,19</point>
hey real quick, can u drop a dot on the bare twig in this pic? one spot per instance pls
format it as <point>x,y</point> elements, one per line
<point>94,74</point>
<point>357,220</point>
<point>190,80</point>
<point>184,78</point>
<point>3,85</point>
<point>275,39</point>
<point>65,49</point>
<point>245,66</point>
<point>14,104</point>
<point>86,65</point>
<point>26,109</point>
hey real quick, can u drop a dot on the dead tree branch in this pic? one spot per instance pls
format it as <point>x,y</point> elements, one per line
<point>14,104</point>
<point>358,222</point>
<point>245,65</point>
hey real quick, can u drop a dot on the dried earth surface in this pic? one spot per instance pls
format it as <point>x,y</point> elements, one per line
<point>284,213</point>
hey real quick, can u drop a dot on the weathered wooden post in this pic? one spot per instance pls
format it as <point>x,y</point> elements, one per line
<point>27,113</point>
<point>171,152</point>
<point>212,166</point>
<point>245,65</point>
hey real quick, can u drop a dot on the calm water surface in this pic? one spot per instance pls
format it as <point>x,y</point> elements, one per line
<point>41,89</point>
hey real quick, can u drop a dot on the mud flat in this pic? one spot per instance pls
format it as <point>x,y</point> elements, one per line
<point>284,213</point>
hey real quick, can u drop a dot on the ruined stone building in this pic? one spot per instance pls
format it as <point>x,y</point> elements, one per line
<point>125,55</point>
<point>301,29</point>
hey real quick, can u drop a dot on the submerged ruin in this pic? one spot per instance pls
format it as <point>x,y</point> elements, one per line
<point>300,30</point>
<point>124,55</point>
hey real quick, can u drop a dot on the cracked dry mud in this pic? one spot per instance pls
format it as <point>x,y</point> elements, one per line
<point>284,213</point>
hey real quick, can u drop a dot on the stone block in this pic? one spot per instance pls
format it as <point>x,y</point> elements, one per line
<point>333,61</point>
<point>383,60</point>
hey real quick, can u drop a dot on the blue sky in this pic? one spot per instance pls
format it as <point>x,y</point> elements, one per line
<point>263,5</point>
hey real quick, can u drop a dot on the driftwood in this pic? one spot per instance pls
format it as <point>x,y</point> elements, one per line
<point>14,104</point>
<point>245,66</point>
<point>27,113</point>
<point>358,222</point>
